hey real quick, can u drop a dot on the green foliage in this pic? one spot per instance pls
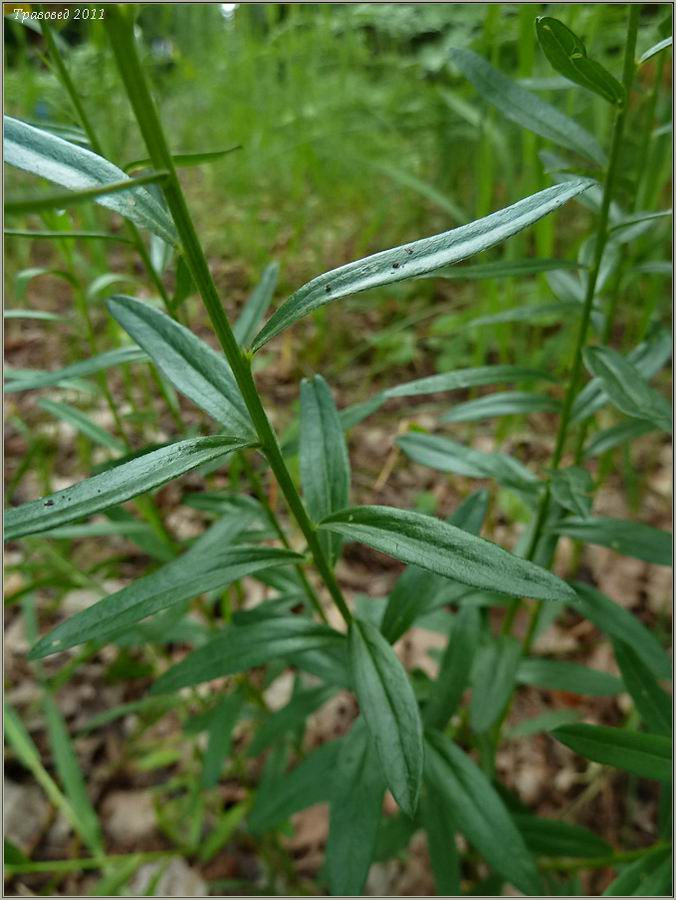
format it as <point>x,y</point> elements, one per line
<point>255,587</point>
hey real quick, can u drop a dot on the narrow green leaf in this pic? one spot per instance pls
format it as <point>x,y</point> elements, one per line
<point>440,828</point>
<point>572,489</point>
<point>609,438</point>
<point>567,54</point>
<point>107,360</point>
<point>493,681</point>
<point>219,743</point>
<point>71,777</point>
<point>445,455</point>
<point>524,108</point>
<point>22,745</point>
<point>447,550</point>
<point>43,202</point>
<point>239,648</point>
<point>289,718</point>
<point>648,358</point>
<point>634,880</point>
<point>553,838</point>
<point>479,812</point>
<point>455,668</point>
<point>652,703</point>
<point>508,403</point>
<point>419,257</point>
<point>40,153</point>
<point>191,365</point>
<point>357,790</point>
<point>626,387</point>
<point>278,798</point>
<point>417,590</point>
<point>194,573</point>
<point>256,306</point>
<point>43,234</point>
<point>324,461</point>
<point>645,755</point>
<point>466,378</point>
<point>389,707</point>
<point>422,188</point>
<point>32,314</point>
<point>547,721</point>
<point>532,314</point>
<point>628,538</point>
<point>655,49</point>
<point>185,160</point>
<point>559,675</point>
<point>83,424</point>
<point>617,622</point>
<point>121,483</point>
<point>507,268</point>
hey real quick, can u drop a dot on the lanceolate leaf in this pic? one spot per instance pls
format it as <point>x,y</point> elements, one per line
<point>82,423</point>
<point>479,812</point>
<point>616,622</point>
<point>446,550</point>
<point>437,820</point>
<point>552,837</point>
<point>280,797</point>
<point>221,728</point>
<point>626,387</point>
<point>524,108</point>
<point>655,49</point>
<point>243,647</point>
<point>71,777</point>
<point>626,537</point>
<point>615,436</point>
<point>637,879</point>
<point>652,703</point>
<point>465,378</point>
<point>567,54</point>
<point>560,675</point>
<point>456,665</point>
<point>419,257</point>
<point>509,403</point>
<point>415,593</point>
<point>256,306</point>
<point>646,755</point>
<point>493,680</point>
<point>445,455</point>
<point>324,463</point>
<point>107,360</point>
<point>40,153</point>
<point>121,483</point>
<point>390,710</point>
<point>182,579</point>
<point>357,789</point>
<point>191,365</point>
<point>289,717</point>
<point>648,358</point>
<point>511,268</point>
<point>572,489</point>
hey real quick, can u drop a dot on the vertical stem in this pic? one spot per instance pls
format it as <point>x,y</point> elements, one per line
<point>583,329</point>
<point>119,26</point>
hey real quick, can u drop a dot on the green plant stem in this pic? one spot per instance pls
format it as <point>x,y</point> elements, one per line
<point>119,26</point>
<point>583,329</point>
